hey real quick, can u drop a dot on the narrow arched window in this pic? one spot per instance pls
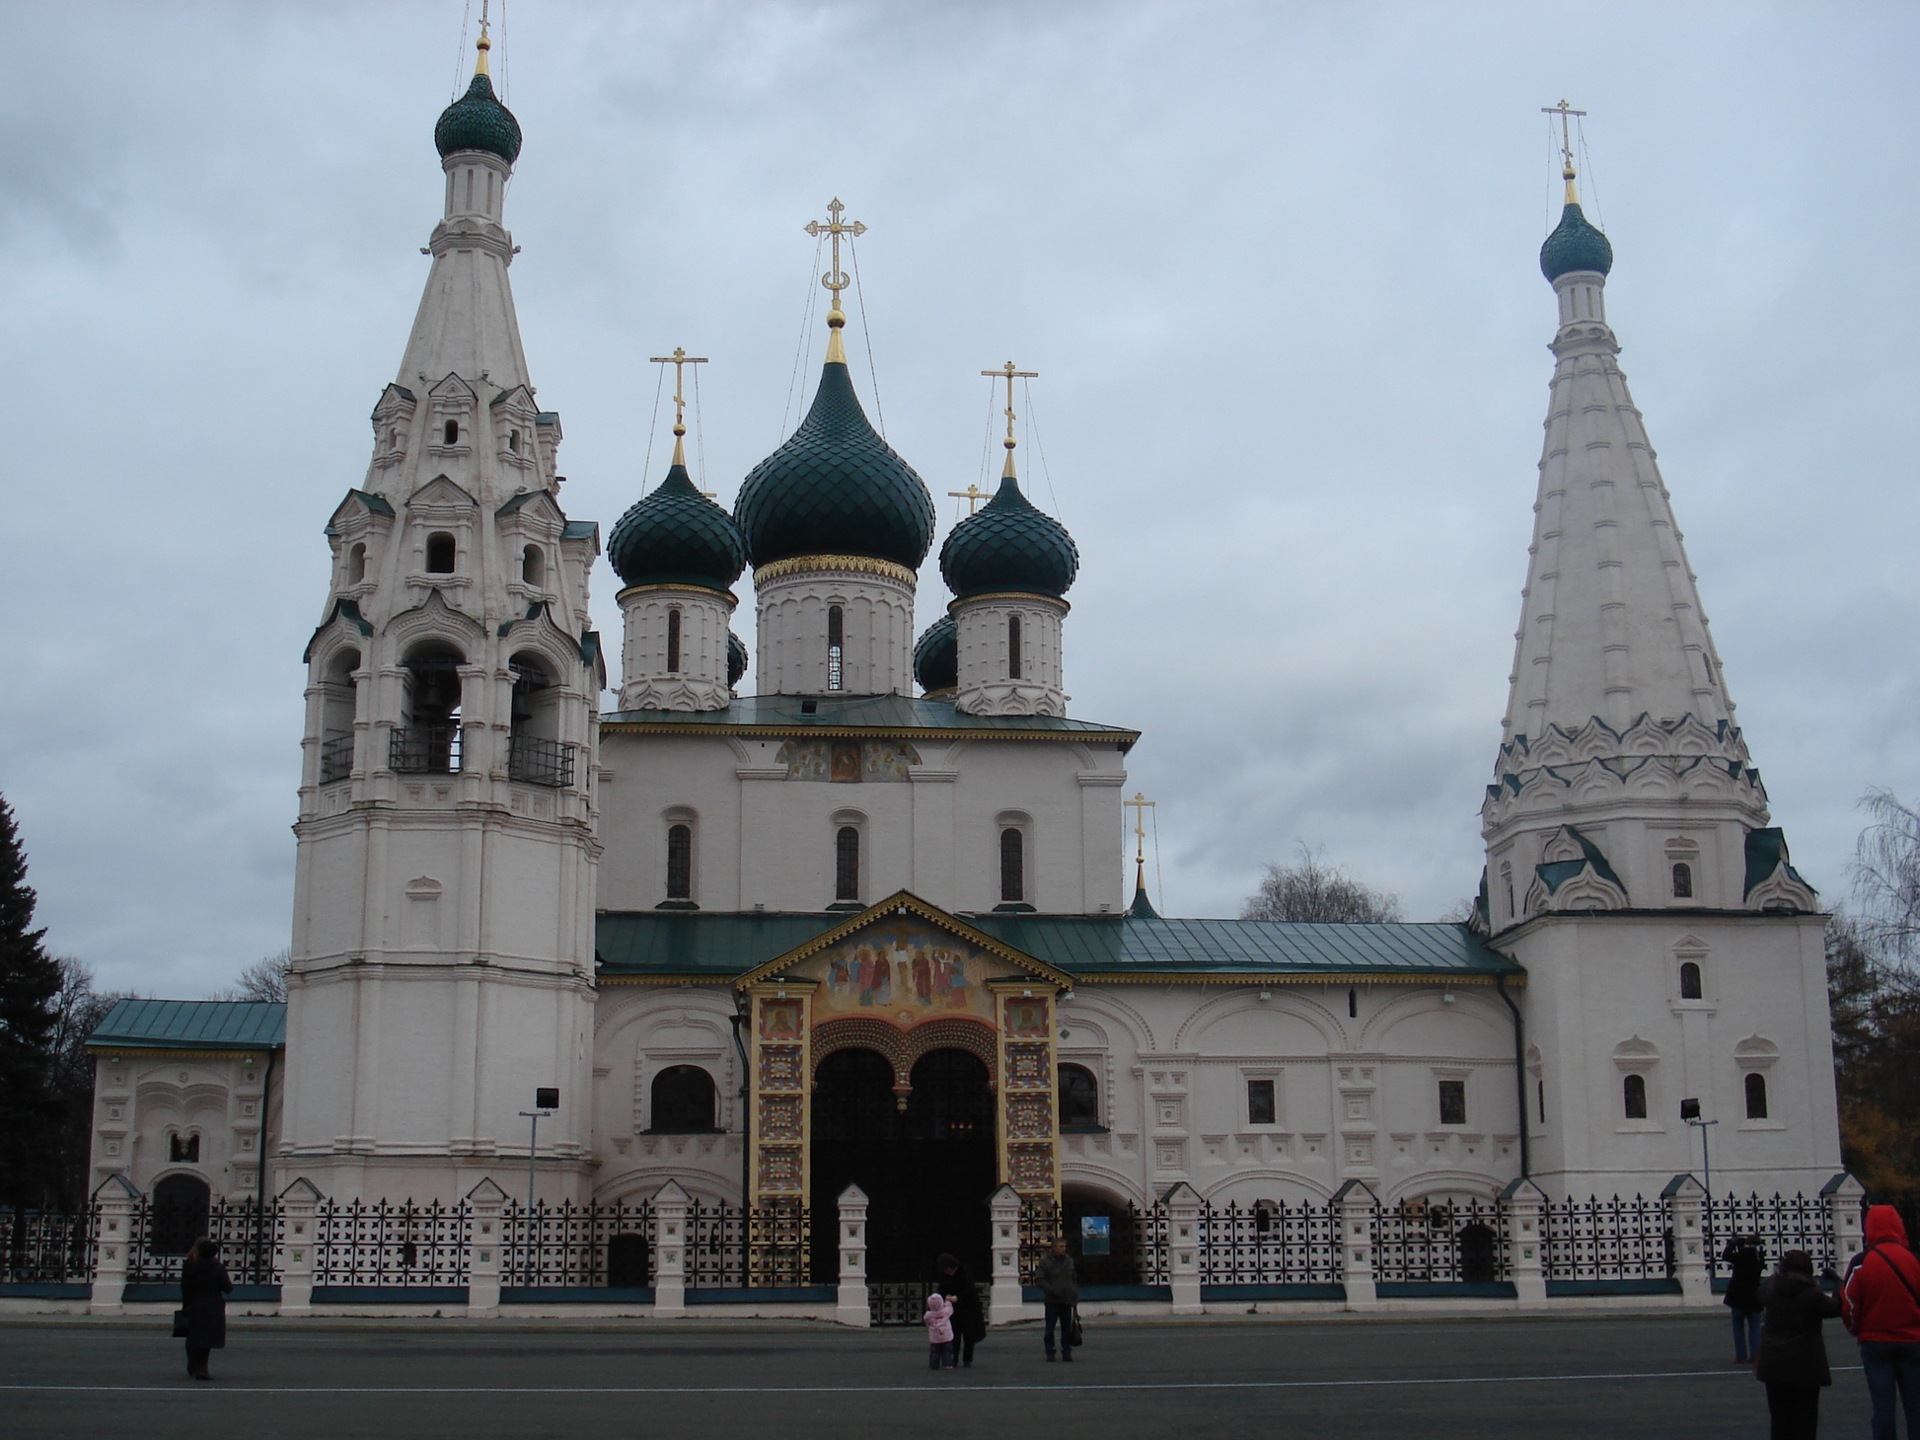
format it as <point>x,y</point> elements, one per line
<point>1756,1096</point>
<point>673,641</point>
<point>1682,880</point>
<point>1353,1004</point>
<point>1633,1094</point>
<point>679,862</point>
<point>1079,1097</point>
<point>513,441</point>
<point>846,863</point>
<point>533,566</point>
<point>1013,647</point>
<point>836,646</point>
<point>1690,988</point>
<point>683,1099</point>
<point>1013,866</point>
<point>450,433</point>
<point>440,553</point>
<point>357,564</point>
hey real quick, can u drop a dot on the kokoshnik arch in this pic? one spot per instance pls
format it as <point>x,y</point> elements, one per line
<point>831,925</point>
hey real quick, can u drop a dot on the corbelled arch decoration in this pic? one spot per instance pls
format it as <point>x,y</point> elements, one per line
<point>903,1048</point>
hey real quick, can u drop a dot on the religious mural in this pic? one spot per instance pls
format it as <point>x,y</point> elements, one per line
<point>849,762</point>
<point>904,970</point>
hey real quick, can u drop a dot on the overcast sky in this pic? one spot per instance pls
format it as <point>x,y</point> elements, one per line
<point>1275,264</point>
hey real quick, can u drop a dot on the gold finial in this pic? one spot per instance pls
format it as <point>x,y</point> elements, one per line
<point>679,359</point>
<point>483,44</point>
<point>1139,804</point>
<point>835,279</point>
<point>1009,374</point>
<point>1565,111</point>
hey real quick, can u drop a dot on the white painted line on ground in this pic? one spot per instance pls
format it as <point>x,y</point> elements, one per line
<point>1722,1372</point>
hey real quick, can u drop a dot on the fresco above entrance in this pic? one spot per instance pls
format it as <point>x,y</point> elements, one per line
<point>902,969</point>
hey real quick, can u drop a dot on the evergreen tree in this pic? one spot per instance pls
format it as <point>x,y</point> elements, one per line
<point>29,983</point>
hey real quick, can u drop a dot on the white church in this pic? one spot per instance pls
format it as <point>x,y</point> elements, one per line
<point>857,909</point>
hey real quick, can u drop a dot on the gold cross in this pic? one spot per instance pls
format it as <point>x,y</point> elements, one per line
<point>679,359</point>
<point>835,279</point>
<point>1565,111</point>
<point>973,495</point>
<point>1139,804</point>
<point>1010,374</point>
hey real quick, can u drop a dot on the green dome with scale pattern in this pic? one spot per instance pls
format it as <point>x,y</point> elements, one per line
<point>936,656</point>
<point>1009,545</point>
<point>1575,244</point>
<point>677,536</point>
<point>478,121</point>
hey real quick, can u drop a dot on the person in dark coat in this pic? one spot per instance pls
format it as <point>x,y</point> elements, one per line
<point>1792,1360</point>
<point>969,1320</point>
<point>1748,1263</point>
<point>203,1295</point>
<point>1060,1290</point>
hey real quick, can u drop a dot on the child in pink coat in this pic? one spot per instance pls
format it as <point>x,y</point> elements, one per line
<point>939,1323</point>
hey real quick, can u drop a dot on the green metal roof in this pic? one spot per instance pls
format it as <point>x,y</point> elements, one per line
<point>652,942</point>
<point>883,714</point>
<point>192,1025</point>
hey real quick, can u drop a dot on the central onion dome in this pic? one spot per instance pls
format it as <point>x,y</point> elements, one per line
<point>835,488</point>
<point>677,536</point>
<point>1009,545</point>
<point>1575,244</point>
<point>478,121</point>
<point>936,656</point>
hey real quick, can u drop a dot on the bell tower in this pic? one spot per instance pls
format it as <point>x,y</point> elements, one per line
<point>444,891</point>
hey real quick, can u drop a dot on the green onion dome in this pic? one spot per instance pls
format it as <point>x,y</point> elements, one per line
<point>936,656</point>
<point>1574,245</point>
<point>677,536</point>
<point>478,121</point>
<point>1009,545</point>
<point>835,488</point>
<point>736,659</point>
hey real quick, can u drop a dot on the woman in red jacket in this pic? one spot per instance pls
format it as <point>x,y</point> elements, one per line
<point>1882,1310</point>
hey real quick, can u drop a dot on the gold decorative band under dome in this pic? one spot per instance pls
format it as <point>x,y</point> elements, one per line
<point>732,599</point>
<point>1025,597</point>
<point>817,564</point>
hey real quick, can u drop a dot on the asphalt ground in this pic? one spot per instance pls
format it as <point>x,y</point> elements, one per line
<point>1644,1377</point>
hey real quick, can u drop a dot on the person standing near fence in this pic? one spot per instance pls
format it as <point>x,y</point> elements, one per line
<point>203,1296</point>
<point>1748,1263</point>
<point>1791,1360</point>
<point>1060,1290</point>
<point>1882,1298</point>
<point>939,1322</point>
<point>969,1320</point>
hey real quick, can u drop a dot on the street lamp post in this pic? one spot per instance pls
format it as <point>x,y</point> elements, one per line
<point>546,1100</point>
<point>1690,1112</point>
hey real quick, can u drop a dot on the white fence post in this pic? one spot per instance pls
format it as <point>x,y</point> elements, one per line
<point>1843,1195</point>
<point>293,1246</point>
<point>1525,1203</point>
<point>489,1204</point>
<point>1004,1208</point>
<point>1686,1204</point>
<point>1355,1204</point>
<point>1184,1239</point>
<point>852,1306</point>
<point>670,1205</point>
<point>117,1200</point>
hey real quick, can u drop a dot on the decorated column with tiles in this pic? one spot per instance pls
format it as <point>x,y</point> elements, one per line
<point>780,1016</point>
<point>1029,1123</point>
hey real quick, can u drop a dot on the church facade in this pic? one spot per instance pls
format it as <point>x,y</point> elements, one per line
<point>854,909</point>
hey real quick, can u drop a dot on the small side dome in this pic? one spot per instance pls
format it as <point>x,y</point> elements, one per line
<point>1574,245</point>
<point>835,488</point>
<point>677,536</point>
<point>936,657</point>
<point>736,660</point>
<point>478,121</point>
<point>1009,545</point>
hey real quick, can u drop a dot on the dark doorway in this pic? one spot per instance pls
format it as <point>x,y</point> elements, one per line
<point>628,1262</point>
<point>1120,1264</point>
<point>181,1205</point>
<point>927,1170</point>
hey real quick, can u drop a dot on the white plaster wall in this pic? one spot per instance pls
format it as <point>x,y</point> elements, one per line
<point>876,630</point>
<point>700,683</point>
<point>141,1099</point>
<point>983,638</point>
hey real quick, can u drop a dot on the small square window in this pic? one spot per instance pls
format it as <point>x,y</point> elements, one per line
<point>1453,1102</point>
<point>1261,1109</point>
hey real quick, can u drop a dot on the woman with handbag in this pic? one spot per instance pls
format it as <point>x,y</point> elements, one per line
<point>202,1320</point>
<point>1792,1357</point>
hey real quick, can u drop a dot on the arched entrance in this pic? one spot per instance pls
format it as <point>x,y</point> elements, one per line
<point>927,1169</point>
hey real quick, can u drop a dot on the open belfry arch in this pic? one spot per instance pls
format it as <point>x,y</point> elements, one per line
<point>902,978</point>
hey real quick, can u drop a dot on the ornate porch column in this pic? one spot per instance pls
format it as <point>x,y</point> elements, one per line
<point>1028,1120</point>
<point>780,1024</point>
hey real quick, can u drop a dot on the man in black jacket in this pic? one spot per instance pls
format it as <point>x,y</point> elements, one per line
<point>1060,1289</point>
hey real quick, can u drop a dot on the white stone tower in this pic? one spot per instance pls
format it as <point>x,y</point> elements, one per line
<point>444,893</point>
<point>1009,566</point>
<point>1672,951</point>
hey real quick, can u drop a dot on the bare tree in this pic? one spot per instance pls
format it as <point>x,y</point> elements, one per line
<point>1311,889</point>
<point>78,1009</point>
<point>1886,877</point>
<point>265,979</point>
